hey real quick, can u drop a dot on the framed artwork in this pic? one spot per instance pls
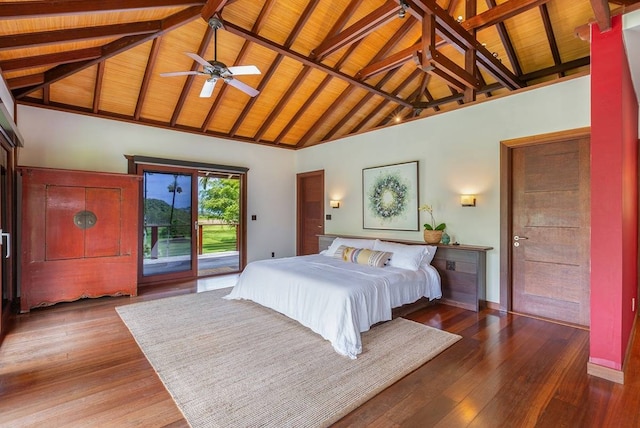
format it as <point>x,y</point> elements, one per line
<point>390,197</point>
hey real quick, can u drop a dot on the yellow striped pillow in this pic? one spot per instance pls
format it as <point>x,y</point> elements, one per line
<point>363,256</point>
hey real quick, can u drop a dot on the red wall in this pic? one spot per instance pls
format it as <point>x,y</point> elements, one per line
<point>614,197</point>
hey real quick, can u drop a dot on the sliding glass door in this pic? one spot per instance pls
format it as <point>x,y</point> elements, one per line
<point>192,219</point>
<point>169,215</point>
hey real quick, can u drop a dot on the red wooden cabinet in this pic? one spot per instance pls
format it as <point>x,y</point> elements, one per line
<point>79,235</point>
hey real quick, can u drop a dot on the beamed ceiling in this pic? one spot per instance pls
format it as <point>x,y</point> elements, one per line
<point>329,68</point>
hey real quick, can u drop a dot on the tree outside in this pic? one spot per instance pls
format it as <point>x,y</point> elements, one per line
<point>219,213</point>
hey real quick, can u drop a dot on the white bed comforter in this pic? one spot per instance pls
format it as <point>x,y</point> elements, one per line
<point>335,299</point>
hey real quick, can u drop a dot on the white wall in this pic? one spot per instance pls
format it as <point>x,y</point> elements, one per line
<point>62,140</point>
<point>458,152</point>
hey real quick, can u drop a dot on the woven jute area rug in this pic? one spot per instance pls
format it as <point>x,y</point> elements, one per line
<point>238,364</point>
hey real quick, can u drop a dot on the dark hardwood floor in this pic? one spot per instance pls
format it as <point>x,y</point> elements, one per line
<point>75,364</point>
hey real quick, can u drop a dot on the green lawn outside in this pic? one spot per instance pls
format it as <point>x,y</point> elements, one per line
<point>215,238</point>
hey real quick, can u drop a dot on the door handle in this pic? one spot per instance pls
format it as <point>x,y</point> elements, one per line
<point>519,238</point>
<point>7,250</point>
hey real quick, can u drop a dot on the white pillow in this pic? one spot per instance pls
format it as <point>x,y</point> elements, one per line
<point>349,242</point>
<point>404,256</point>
<point>429,253</point>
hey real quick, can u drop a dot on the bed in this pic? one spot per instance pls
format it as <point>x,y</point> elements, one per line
<point>339,298</point>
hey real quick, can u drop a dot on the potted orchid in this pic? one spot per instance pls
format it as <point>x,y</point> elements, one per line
<point>432,232</point>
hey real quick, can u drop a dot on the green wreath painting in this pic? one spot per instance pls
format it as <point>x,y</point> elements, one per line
<point>390,197</point>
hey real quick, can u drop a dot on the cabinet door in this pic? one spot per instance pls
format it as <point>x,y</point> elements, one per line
<point>63,239</point>
<point>103,239</point>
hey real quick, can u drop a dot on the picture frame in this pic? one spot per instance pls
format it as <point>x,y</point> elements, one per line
<point>390,197</point>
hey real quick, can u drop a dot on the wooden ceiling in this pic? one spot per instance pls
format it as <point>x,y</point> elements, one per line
<point>329,68</point>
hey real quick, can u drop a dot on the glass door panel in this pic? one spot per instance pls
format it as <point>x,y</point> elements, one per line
<point>219,208</point>
<point>168,242</point>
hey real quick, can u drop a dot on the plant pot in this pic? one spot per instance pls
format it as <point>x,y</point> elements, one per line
<point>432,236</point>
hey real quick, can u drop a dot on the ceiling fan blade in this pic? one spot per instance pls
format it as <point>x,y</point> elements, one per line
<point>179,73</point>
<point>241,70</point>
<point>243,87</point>
<point>207,88</point>
<point>198,59</point>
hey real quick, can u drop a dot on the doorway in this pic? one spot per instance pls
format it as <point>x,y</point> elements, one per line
<point>192,219</point>
<point>8,287</point>
<point>218,223</point>
<point>310,202</point>
<point>545,226</point>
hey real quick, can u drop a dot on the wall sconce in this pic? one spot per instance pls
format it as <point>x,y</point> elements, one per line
<point>334,204</point>
<point>468,200</point>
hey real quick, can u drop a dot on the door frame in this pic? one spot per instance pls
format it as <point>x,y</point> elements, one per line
<point>132,168</point>
<point>299,205</point>
<point>506,201</point>
<point>171,276</point>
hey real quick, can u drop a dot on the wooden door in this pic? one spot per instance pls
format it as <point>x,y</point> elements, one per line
<point>8,290</point>
<point>310,201</point>
<point>550,239</point>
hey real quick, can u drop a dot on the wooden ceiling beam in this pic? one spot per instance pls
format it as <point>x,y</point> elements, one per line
<point>111,49</point>
<point>25,81</point>
<point>186,88</point>
<point>432,61</point>
<point>304,17</point>
<point>144,87</point>
<point>450,28</point>
<point>388,46</point>
<point>17,41</point>
<point>393,41</point>
<point>602,14</point>
<point>266,77</point>
<point>33,9</point>
<point>260,21</point>
<point>51,59</point>
<point>557,69</point>
<point>97,91</point>
<point>415,74</point>
<point>380,16</point>
<point>470,56</point>
<point>318,91</point>
<point>364,101</point>
<point>239,31</point>
<point>548,28</point>
<point>456,97</point>
<point>506,42</point>
<point>275,112</point>
<point>304,141</point>
<point>490,17</point>
<point>583,32</point>
<point>345,16</point>
<point>392,61</point>
<point>211,8</point>
<point>500,13</point>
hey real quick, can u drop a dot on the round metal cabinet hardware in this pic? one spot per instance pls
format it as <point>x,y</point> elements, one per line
<point>85,219</point>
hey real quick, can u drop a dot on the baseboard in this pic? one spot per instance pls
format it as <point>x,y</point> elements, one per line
<point>606,373</point>
<point>493,305</point>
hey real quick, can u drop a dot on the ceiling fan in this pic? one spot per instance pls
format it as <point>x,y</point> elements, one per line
<point>217,70</point>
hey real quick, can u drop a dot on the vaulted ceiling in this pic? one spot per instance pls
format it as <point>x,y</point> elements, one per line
<point>329,68</point>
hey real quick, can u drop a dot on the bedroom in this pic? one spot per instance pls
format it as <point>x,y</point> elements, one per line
<point>60,141</point>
